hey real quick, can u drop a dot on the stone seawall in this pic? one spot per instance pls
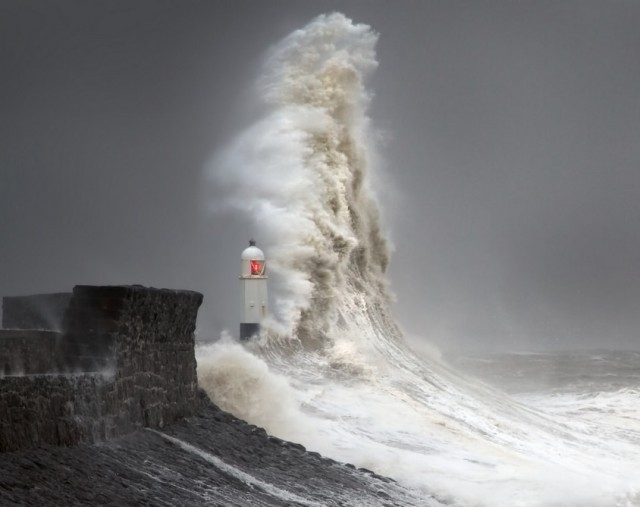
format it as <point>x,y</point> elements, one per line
<point>60,410</point>
<point>38,311</point>
<point>124,360</point>
<point>28,352</point>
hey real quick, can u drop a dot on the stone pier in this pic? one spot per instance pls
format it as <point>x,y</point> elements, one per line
<point>124,359</point>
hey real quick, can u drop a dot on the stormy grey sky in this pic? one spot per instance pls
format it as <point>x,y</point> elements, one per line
<point>511,157</point>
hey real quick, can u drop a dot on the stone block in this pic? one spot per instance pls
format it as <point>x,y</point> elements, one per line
<point>28,352</point>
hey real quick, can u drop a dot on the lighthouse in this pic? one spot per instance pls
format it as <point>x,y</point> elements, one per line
<point>254,290</point>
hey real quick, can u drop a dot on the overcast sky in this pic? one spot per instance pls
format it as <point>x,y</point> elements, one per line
<point>509,138</point>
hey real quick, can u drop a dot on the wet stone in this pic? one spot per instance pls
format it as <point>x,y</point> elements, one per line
<point>140,432</point>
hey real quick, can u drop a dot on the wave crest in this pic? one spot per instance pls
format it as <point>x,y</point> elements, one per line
<point>320,220</point>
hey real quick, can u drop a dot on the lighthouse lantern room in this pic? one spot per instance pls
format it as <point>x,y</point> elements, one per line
<point>254,290</point>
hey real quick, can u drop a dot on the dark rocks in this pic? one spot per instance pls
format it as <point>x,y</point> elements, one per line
<point>209,459</point>
<point>297,447</point>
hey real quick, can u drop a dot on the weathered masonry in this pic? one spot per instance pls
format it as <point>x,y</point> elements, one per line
<point>123,359</point>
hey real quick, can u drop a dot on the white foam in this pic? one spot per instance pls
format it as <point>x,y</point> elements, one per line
<point>243,384</point>
<point>335,363</point>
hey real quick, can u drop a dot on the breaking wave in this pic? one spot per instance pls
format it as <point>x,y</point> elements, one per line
<point>313,203</point>
<point>332,369</point>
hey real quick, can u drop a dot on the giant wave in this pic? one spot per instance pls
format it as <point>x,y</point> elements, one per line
<point>332,369</point>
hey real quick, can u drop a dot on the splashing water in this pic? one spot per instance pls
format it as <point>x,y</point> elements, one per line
<point>332,369</point>
<point>313,201</point>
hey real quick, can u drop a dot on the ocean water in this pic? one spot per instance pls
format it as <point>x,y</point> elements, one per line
<point>332,369</point>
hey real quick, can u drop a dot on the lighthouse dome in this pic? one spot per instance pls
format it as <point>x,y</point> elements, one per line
<point>252,252</point>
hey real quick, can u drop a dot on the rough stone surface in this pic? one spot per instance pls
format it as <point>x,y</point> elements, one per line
<point>39,311</point>
<point>125,361</point>
<point>37,410</point>
<point>28,352</point>
<point>208,459</point>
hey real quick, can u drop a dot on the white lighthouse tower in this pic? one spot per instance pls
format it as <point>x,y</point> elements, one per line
<point>254,290</point>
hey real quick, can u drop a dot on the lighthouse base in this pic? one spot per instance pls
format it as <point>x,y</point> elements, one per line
<point>248,330</point>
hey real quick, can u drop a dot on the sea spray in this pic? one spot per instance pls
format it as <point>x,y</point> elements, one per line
<point>242,383</point>
<point>333,370</point>
<point>301,173</point>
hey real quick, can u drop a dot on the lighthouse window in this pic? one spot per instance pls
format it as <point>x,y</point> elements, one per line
<point>257,267</point>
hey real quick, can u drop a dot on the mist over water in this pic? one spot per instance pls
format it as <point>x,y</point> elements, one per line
<point>332,369</point>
